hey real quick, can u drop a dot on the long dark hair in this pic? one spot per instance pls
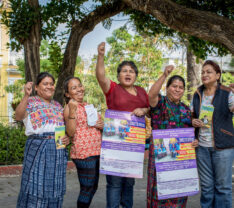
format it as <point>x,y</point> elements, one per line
<point>65,86</point>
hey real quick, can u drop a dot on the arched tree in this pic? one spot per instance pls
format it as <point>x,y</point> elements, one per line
<point>29,23</point>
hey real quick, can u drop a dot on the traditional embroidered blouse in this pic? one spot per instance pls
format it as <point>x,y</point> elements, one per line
<point>87,139</point>
<point>42,117</point>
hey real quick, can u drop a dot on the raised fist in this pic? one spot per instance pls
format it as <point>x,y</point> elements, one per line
<point>28,88</point>
<point>101,48</point>
<point>72,105</point>
<point>168,69</point>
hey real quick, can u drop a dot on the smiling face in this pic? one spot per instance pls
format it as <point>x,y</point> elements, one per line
<point>45,89</point>
<point>127,76</point>
<point>209,76</point>
<point>175,90</point>
<point>75,90</point>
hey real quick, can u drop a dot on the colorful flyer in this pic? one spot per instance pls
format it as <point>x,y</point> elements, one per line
<point>123,144</point>
<point>59,133</point>
<point>175,162</point>
<point>206,115</point>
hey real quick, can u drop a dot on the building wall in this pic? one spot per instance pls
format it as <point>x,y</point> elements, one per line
<point>8,74</point>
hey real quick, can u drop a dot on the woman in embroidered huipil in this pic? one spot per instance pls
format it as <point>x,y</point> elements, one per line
<point>166,112</point>
<point>43,181</point>
<point>86,140</point>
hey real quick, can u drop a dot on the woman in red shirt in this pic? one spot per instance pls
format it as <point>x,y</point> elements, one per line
<point>124,96</point>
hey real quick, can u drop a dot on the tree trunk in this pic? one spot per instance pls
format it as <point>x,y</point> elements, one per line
<point>32,48</point>
<point>202,24</point>
<point>79,30</point>
<point>193,74</point>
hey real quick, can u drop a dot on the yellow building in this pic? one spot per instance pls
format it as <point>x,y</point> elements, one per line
<point>8,73</point>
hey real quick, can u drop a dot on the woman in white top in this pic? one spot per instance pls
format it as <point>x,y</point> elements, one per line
<point>43,182</point>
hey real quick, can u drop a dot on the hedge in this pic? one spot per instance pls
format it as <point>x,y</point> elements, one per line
<point>12,142</point>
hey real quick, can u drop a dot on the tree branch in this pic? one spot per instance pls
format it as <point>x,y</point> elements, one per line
<point>79,30</point>
<point>202,24</point>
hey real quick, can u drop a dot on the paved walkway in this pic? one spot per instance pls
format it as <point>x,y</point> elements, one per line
<point>9,189</point>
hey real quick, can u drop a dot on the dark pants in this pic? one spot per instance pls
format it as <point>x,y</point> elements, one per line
<point>88,176</point>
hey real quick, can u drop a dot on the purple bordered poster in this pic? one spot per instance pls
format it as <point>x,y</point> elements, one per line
<point>123,144</point>
<point>175,162</point>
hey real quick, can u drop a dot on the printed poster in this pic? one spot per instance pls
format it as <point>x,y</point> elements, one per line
<point>123,145</point>
<point>206,115</point>
<point>59,134</point>
<point>175,163</point>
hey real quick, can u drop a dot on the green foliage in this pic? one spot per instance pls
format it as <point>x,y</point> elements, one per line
<point>150,25</point>
<point>12,142</point>
<point>21,17</point>
<point>232,62</point>
<point>93,93</point>
<point>227,78</point>
<point>220,7</point>
<point>19,20</point>
<point>17,90</point>
<point>124,46</point>
<point>51,60</point>
<point>141,49</point>
<point>55,57</point>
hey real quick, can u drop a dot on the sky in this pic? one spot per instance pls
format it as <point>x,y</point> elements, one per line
<point>90,42</point>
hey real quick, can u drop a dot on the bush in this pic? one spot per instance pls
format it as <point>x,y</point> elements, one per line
<point>12,142</point>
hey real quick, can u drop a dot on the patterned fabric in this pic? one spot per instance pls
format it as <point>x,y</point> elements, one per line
<point>205,134</point>
<point>87,139</point>
<point>168,115</point>
<point>29,201</point>
<point>42,117</point>
<point>165,115</point>
<point>44,172</point>
<point>88,176</point>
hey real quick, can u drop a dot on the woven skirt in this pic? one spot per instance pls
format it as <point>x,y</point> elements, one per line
<point>152,197</point>
<point>44,173</point>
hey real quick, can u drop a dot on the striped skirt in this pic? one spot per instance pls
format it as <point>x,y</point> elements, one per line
<point>43,182</point>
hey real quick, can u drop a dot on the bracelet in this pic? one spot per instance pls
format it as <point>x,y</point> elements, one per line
<point>71,117</point>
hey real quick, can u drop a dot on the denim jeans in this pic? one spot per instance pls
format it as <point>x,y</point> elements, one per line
<point>215,172</point>
<point>119,191</point>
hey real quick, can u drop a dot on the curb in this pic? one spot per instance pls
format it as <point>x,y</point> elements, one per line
<point>14,170</point>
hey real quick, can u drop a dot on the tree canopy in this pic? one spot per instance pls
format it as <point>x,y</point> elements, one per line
<point>201,48</point>
<point>29,22</point>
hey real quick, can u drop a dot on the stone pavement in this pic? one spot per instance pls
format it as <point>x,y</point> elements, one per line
<point>9,188</point>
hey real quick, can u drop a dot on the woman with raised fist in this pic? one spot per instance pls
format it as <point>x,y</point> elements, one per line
<point>86,140</point>
<point>43,181</point>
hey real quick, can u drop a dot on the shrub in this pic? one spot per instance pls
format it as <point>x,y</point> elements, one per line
<point>12,142</point>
